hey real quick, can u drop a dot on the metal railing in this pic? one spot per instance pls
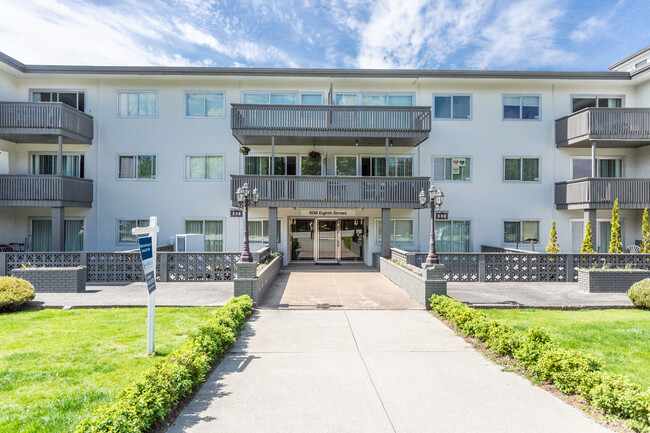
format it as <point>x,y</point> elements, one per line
<point>55,118</point>
<point>628,124</point>
<point>600,193</point>
<point>335,191</point>
<point>361,118</point>
<point>45,190</point>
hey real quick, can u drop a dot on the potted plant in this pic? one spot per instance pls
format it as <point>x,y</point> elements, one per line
<point>314,156</point>
<point>244,150</point>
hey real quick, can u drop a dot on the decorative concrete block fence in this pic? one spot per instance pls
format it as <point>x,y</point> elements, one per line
<point>418,283</point>
<point>610,280</point>
<point>58,280</point>
<point>249,282</point>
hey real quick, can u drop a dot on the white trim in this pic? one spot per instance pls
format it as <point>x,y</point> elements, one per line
<point>471,169</point>
<point>223,167</point>
<point>117,168</point>
<point>521,158</point>
<point>138,91</point>
<point>433,106</point>
<point>196,92</point>
<point>520,95</point>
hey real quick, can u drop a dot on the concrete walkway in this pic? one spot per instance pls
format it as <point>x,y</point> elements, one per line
<point>367,371</point>
<point>347,286</point>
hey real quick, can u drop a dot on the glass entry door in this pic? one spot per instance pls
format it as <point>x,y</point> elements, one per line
<point>327,240</point>
<point>352,236</point>
<point>302,239</point>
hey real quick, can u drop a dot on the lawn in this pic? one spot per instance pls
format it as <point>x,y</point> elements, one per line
<point>620,337</point>
<point>57,367</point>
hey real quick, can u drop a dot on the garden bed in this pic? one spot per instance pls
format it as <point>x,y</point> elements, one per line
<point>57,280</point>
<point>609,280</point>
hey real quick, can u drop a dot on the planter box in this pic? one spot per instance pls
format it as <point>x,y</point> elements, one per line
<point>611,281</point>
<point>419,287</point>
<point>54,280</point>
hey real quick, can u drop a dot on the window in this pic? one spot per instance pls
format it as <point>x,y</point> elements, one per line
<point>205,167</point>
<point>640,64</point>
<point>261,165</point>
<point>75,99</point>
<point>281,98</point>
<point>452,168</point>
<point>401,231</point>
<point>346,165</point>
<point>212,229</point>
<point>137,167</point>
<point>124,228</point>
<point>311,98</point>
<point>258,231</point>
<point>606,167</point>
<point>525,107</point>
<point>452,236</point>
<point>581,102</point>
<point>519,231</point>
<point>137,104</point>
<point>41,235</point>
<point>310,167</point>
<point>73,165</point>
<point>391,99</point>
<point>204,104</point>
<point>521,169</point>
<point>376,166</point>
<point>345,99</point>
<point>452,107</point>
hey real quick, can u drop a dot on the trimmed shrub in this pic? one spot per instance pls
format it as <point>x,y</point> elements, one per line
<point>15,293</point>
<point>568,369</point>
<point>141,404</point>
<point>639,293</point>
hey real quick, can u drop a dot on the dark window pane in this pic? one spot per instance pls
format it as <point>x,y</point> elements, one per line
<point>581,168</point>
<point>442,107</point>
<point>461,107</point>
<point>530,107</point>
<point>511,107</point>
<point>580,103</point>
<point>610,102</point>
<point>292,166</point>
<point>530,169</point>
<point>82,102</point>
<point>511,231</point>
<point>68,99</point>
<point>365,166</point>
<point>513,169</point>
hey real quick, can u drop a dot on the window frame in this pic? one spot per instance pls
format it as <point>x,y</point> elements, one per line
<point>387,94</point>
<point>222,219</point>
<point>59,90</point>
<point>433,106</point>
<point>204,92</point>
<point>306,155</point>
<point>598,158</point>
<point>322,95</point>
<point>189,179</point>
<point>521,230</point>
<point>136,178</point>
<point>378,231</point>
<point>521,158</point>
<point>346,156</point>
<point>471,168</point>
<point>295,94</point>
<point>356,94</point>
<point>372,156</point>
<point>595,95</point>
<point>268,155</point>
<point>471,231</point>
<point>262,219</point>
<point>137,91</point>
<point>520,96</point>
<point>32,153</point>
<point>67,218</point>
<point>117,230</point>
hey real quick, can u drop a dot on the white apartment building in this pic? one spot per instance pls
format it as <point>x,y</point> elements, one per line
<point>87,153</point>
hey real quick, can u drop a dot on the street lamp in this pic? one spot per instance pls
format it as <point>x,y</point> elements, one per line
<point>245,198</point>
<point>434,198</point>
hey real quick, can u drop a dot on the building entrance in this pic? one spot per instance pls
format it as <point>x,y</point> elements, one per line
<point>327,240</point>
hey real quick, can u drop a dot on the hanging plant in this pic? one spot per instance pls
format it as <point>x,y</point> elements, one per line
<point>244,150</point>
<point>314,156</point>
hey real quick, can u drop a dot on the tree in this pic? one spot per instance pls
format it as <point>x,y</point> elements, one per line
<point>645,233</point>
<point>553,246</point>
<point>615,244</point>
<point>587,243</point>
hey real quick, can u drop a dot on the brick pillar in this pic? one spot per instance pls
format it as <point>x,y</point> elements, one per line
<point>385,233</point>
<point>590,215</point>
<point>273,229</point>
<point>58,229</point>
<point>246,281</point>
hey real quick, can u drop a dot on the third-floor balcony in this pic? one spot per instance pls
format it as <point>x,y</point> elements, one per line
<point>600,193</point>
<point>608,127</point>
<point>43,122</point>
<point>255,124</point>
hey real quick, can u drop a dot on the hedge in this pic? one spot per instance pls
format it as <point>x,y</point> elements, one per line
<point>639,293</point>
<point>140,405</point>
<point>572,371</point>
<point>15,293</point>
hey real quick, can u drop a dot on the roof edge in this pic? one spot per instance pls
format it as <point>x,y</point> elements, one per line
<point>630,57</point>
<point>10,61</point>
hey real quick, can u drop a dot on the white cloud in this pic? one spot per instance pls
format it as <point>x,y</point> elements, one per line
<point>588,29</point>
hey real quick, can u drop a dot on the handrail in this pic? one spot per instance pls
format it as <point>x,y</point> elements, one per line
<point>603,124</point>
<point>46,188</point>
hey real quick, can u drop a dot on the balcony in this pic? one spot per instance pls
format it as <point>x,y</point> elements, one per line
<point>255,124</point>
<point>608,127</point>
<point>43,122</point>
<point>600,193</point>
<point>334,191</point>
<point>45,190</point>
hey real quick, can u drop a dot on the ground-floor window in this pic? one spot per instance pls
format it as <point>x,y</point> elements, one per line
<point>211,229</point>
<point>519,231</point>
<point>258,231</point>
<point>401,231</point>
<point>453,236</point>
<point>124,227</point>
<point>41,231</point>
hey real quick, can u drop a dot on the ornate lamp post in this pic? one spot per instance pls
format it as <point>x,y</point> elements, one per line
<point>245,198</point>
<point>434,198</point>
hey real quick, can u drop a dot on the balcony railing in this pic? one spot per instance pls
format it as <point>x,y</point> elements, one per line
<point>405,125</point>
<point>43,122</point>
<point>609,127</point>
<point>45,190</point>
<point>334,191</point>
<point>600,193</point>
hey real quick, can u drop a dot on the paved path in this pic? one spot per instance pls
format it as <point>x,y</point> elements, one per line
<point>183,294</point>
<point>349,286</point>
<point>367,371</point>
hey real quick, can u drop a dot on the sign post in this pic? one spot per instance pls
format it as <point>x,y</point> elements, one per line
<point>148,244</point>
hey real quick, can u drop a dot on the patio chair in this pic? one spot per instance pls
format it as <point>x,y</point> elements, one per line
<point>633,249</point>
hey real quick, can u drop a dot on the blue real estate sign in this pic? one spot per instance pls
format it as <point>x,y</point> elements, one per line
<point>146,252</point>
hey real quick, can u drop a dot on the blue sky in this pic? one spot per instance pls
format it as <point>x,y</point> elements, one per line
<point>437,34</point>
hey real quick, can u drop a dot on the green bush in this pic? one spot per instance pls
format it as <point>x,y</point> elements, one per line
<point>148,400</point>
<point>639,293</point>
<point>15,293</point>
<point>572,371</point>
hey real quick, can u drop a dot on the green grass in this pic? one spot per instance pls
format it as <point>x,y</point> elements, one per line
<point>57,367</point>
<point>620,337</point>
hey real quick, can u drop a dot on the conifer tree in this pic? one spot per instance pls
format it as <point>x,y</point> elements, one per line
<point>553,246</point>
<point>615,244</point>
<point>587,243</point>
<point>645,233</point>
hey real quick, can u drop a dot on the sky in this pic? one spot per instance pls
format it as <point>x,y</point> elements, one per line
<point>431,34</point>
